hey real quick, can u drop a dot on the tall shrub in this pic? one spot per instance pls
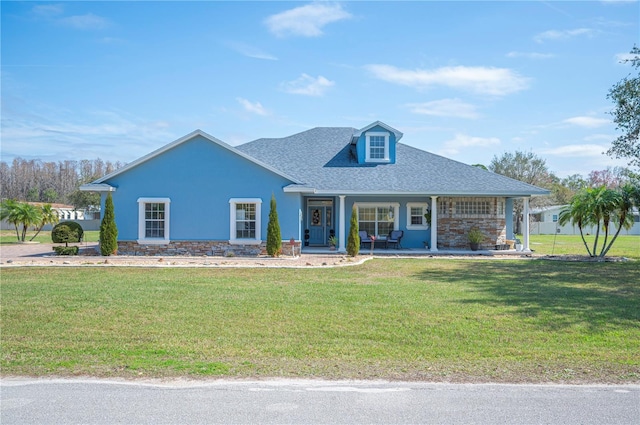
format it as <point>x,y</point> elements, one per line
<point>108,229</point>
<point>274,238</point>
<point>353,241</point>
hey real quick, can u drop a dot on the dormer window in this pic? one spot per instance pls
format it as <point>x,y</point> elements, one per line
<point>377,147</point>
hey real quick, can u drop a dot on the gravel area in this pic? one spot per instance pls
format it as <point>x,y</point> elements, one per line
<point>38,254</point>
<point>41,254</point>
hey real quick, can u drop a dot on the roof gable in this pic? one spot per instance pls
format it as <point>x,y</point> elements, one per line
<point>358,133</point>
<point>184,139</point>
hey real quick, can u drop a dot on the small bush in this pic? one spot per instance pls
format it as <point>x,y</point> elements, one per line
<point>67,231</point>
<point>66,250</point>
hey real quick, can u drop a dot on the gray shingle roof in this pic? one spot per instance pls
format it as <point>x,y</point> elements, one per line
<point>321,158</point>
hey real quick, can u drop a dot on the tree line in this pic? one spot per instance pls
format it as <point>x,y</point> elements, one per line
<point>53,182</point>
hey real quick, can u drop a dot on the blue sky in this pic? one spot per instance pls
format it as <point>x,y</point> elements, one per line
<point>466,80</point>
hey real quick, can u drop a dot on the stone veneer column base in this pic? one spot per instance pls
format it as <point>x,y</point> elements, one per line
<point>200,248</point>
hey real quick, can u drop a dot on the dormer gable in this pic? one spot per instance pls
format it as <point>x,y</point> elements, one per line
<point>376,144</point>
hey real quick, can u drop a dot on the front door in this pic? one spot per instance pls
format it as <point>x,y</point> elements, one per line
<point>319,224</point>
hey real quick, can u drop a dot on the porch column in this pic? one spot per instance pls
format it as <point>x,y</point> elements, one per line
<point>525,225</point>
<point>341,230</point>
<point>434,224</point>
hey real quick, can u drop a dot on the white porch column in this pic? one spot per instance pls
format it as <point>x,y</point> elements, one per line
<point>525,225</point>
<point>434,223</point>
<point>341,226</point>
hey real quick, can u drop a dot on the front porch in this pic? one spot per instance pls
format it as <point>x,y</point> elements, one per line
<point>442,222</point>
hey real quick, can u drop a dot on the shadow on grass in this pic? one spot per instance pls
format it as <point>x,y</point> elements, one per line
<point>556,294</point>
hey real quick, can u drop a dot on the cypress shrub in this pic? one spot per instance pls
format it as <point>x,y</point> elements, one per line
<point>108,229</point>
<point>353,241</point>
<point>274,238</point>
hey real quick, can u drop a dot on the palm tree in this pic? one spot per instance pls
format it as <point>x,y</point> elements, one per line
<point>27,215</point>
<point>47,216</point>
<point>599,207</point>
<point>578,212</point>
<point>629,195</point>
<point>8,213</point>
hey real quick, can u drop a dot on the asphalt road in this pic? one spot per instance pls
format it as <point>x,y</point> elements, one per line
<point>72,401</point>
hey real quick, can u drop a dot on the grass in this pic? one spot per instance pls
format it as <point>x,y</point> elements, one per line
<point>422,319</point>
<point>624,246</point>
<point>8,237</point>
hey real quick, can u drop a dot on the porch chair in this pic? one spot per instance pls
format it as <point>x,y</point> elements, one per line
<point>364,237</point>
<point>395,236</point>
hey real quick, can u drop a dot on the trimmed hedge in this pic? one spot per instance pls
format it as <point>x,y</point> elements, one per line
<point>67,231</point>
<point>66,250</point>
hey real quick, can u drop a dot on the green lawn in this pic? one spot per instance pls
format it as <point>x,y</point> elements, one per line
<point>427,319</point>
<point>624,246</point>
<point>9,236</point>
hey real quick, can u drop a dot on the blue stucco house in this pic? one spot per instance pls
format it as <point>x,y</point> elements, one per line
<point>201,196</point>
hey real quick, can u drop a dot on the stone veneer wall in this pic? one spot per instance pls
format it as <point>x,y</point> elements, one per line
<point>199,248</point>
<point>453,228</point>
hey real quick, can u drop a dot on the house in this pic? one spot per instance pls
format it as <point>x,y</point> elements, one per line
<point>544,221</point>
<point>199,195</point>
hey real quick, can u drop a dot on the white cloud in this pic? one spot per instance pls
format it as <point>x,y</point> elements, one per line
<point>586,150</point>
<point>59,134</point>
<point>562,34</point>
<point>48,10</point>
<point>623,58</point>
<point>530,55</point>
<point>588,122</point>
<point>460,141</point>
<point>255,108</point>
<point>444,108</point>
<point>250,51</point>
<point>484,80</point>
<point>306,21</point>
<point>54,13</point>
<point>307,85</point>
<point>85,22</point>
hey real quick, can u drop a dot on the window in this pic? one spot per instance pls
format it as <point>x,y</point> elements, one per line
<point>378,219</point>
<point>473,208</point>
<point>554,218</point>
<point>153,220</point>
<point>245,220</point>
<point>415,216</point>
<point>443,208</point>
<point>377,147</point>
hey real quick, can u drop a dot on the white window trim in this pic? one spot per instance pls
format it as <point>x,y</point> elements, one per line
<point>232,221</point>
<point>368,146</point>
<point>396,210</point>
<point>141,221</point>
<point>425,208</point>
